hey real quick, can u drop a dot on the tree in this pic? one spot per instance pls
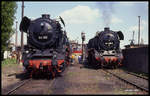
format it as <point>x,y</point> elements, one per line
<point>8,10</point>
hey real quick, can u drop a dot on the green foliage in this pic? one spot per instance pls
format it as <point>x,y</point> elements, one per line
<point>8,10</point>
<point>8,62</point>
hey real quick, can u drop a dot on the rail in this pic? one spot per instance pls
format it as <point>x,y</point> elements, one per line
<point>125,80</point>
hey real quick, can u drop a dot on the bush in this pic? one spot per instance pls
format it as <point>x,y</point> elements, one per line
<point>8,62</point>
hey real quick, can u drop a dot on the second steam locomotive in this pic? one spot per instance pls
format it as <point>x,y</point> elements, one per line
<point>104,49</point>
<point>48,49</point>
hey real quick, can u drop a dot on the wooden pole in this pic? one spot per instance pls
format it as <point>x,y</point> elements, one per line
<point>22,45</point>
<point>16,44</point>
<point>16,37</point>
<point>22,31</point>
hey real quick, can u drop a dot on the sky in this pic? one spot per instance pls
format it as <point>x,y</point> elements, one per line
<point>90,17</point>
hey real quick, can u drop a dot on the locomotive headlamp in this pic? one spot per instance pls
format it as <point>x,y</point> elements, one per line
<point>42,24</point>
<point>27,51</point>
<point>54,56</point>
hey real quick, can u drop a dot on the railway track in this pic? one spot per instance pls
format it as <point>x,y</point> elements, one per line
<point>143,77</point>
<point>40,86</point>
<point>20,87</point>
<point>10,91</point>
<point>127,81</point>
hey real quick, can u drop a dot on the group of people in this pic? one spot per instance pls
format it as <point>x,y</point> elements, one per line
<point>75,57</point>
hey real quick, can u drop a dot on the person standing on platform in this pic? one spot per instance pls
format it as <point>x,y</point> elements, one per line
<point>73,58</point>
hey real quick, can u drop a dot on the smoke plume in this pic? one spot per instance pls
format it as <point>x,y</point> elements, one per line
<point>107,11</point>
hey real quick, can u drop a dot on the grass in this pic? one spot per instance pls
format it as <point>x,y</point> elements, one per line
<point>8,62</point>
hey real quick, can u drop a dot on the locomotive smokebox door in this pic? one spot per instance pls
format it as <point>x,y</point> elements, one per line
<point>24,25</point>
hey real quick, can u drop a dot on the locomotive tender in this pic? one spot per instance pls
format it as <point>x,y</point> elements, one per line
<point>48,49</point>
<point>104,49</point>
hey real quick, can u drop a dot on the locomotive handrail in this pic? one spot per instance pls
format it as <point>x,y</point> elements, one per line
<point>62,21</point>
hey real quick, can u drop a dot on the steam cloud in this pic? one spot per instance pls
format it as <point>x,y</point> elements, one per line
<point>107,11</point>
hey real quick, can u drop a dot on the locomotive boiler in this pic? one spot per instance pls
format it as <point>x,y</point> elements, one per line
<point>104,49</point>
<point>48,49</point>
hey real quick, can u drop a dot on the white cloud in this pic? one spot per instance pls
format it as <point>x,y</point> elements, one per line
<point>80,15</point>
<point>116,20</point>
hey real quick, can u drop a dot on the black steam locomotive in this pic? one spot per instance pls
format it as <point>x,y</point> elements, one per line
<point>104,49</point>
<point>48,49</point>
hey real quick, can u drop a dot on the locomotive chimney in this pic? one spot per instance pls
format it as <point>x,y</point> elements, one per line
<point>47,16</point>
<point>106,29</point>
